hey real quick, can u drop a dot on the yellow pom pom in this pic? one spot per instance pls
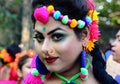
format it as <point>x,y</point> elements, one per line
<point>50,8</point>
<point>74,23</point>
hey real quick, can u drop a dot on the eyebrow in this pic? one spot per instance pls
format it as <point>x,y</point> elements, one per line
<point>117,35</point>
<point>50,31</point>
<point>54,30</point>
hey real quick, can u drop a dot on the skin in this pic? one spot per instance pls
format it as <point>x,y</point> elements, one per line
<point>116,48</point>
<point>25,68</point>
<point>66,48</point>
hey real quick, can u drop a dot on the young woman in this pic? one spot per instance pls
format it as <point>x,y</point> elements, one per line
<point>7,57</point>
<point>113,63</point>
<point>64,31</point>
<point>23,61</point>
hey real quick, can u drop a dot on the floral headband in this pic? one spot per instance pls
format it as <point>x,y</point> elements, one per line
<point>91,20</point>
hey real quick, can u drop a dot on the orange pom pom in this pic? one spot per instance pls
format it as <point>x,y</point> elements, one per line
<point>74,23</point>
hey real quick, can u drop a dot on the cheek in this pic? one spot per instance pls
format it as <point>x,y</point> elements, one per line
<point>70,49</point>
<point>37,47</point>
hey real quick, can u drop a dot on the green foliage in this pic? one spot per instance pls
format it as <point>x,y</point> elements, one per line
<point>110,13</point>
<point>10,22</point>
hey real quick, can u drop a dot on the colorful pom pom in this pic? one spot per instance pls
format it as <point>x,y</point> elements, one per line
<point>81,24</point>
<point>65,19</point>
<point>73,23</point>
<point>50,8</point>
<point>84,73</point>
<point>35,72</point>
<point>89,20</point>
<point>41,14</point>
<point>31,79</point>
<point>56,15</point>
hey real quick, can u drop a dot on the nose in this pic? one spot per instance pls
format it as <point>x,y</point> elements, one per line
<point>45,46</point>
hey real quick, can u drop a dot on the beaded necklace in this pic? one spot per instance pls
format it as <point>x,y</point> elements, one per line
<point>72,80</point>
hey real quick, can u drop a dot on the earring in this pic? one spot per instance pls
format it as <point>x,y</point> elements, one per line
<point>83,69</point>
<point>41,67</point>
<point>51,51</point>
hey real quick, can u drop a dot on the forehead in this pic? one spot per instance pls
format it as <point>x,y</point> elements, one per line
<point>51,24</point>
<point>118,34</point>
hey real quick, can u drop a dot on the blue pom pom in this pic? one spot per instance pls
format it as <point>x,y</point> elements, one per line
<point>41,67</point>
<point>57,15</point>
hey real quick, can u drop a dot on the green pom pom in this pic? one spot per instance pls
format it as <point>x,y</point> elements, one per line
<point>85,78</point>
<point>35,72</point>
<point>65,19</point>
<point>81,24</point>
<point>84,71</point>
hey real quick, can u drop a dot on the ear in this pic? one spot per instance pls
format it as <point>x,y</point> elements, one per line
<point>85,33</point>
<point>20,74</point>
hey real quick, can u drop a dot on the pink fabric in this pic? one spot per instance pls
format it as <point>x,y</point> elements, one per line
<point>33,63</point>
<point>7,82</point>
<point>30,79</point>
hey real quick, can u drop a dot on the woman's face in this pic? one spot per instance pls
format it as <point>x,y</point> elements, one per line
<point>26,67</point>
<point>57,45</point>
<point>116,48</point>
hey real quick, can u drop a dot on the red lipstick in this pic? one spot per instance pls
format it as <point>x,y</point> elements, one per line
<point>51,59</point>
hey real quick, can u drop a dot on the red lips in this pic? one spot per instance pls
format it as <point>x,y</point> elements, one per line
<point>51,59</point>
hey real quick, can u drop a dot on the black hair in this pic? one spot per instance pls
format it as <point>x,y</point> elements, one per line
<point>75,9</point>
<point>78,9</point>
<point>22,61</point>
<point>99,66</point>
<point>13,49</point>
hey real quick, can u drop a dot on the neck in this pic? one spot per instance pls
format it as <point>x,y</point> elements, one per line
<point>71,71</point>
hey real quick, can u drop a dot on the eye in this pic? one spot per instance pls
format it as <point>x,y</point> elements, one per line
<point>39,37</point>
<point>58,37</point>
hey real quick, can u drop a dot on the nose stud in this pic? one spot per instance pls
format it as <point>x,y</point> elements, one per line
<point>51,51</point>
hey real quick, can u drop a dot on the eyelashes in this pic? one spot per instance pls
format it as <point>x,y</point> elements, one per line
<point>55,37</point>
<point>39,37</point>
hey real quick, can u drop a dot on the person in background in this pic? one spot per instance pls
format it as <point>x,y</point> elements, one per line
<point>113,63</point>
<point>22,64</point>
<point>65,34</point>
<point>7,57</point>
<point>107,52</point>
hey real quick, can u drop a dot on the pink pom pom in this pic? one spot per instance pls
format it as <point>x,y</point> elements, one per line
<point>41,14</point>
<point>30,79</point>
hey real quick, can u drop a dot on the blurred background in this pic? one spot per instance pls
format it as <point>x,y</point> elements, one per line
<point>16,25</point>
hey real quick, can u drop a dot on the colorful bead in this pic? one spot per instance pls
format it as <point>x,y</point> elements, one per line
<point>50,8</point>
<point>84,73</point>
<point>35,72</point>
<point>83,59</point>
<point>88,19</point>
<point>81,24</point>
<point>56,15</point>
<point>65,19</point>
<point>73,23</point>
